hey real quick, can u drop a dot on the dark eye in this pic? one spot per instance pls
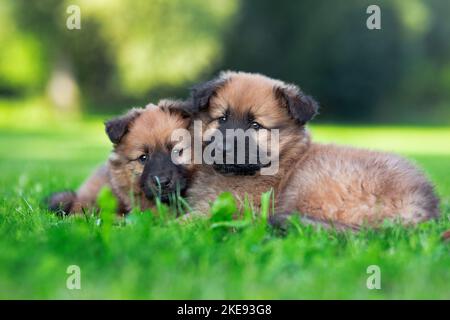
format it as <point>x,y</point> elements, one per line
<point>223,119</point>
<point>178,152</point>
<point>255,125</point>
<point>142,158</point>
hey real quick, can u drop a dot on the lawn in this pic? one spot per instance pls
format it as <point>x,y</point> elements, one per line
<point>147,258</point>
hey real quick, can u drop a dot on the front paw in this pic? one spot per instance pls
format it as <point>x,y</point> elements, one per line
<point>61,203</point>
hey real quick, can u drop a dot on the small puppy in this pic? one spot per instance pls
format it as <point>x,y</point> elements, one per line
<point>340,185</point>
<point>140,166</point>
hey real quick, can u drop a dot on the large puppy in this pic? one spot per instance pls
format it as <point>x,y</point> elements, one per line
<point>326,182</point>
<point>139,167</point>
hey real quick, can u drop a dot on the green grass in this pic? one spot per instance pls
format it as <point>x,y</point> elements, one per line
<point>145,257</point>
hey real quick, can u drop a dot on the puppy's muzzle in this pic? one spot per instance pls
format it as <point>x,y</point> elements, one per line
<point>161,177</point>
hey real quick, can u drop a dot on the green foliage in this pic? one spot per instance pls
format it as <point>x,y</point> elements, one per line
<point>265,205</point>
<point>127,54</point>
<point>22,64</point>
<point>399,73</point>
<point>107,202</point>
<point>123,51</point>
<point>223,208</point>
<point>108,206</point>
<point>160,43</point>
<point>145,256</point>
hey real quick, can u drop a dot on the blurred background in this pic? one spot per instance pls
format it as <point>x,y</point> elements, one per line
<point>131,52</point>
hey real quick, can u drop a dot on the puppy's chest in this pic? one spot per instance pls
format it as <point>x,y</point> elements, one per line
<point>207,184</point>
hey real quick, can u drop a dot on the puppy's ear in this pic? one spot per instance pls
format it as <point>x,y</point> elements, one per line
<point>301,107</point>
<point>203,92</point>
<point>118,127</point>
<point>184,108</point>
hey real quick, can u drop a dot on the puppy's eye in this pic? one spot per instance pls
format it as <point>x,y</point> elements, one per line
<point>178,152</point>
<point>143,158</point>
<point>255,125</point>
<point>223,119</point>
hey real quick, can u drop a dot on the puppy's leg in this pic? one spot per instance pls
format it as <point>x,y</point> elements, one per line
<point>88,192</point>
<point>281,220</point>
<point>61,202</point>
<point>446,236</point>
<point>74,202</point>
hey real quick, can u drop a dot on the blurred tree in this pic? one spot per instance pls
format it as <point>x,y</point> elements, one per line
<point>398,73</point>
<point>157,43</point>
<point>423,93</point>
<point>132,52</point>
<point>325,47</point>
<point>22,66</point>
<point>125,49</point>
<point>74,59</point>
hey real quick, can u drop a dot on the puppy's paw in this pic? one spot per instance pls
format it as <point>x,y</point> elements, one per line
<point>61,203</point>
<point>446,236</point>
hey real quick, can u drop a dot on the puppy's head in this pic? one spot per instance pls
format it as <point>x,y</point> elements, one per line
<point>141,162</point>
<point>253,103</point>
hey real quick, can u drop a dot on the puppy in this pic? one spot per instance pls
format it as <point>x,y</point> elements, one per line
<point>140,166</point>
<point>339,185</point>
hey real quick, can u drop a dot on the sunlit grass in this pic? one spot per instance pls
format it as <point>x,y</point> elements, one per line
<point>405,140</point>
<point>145,257</point>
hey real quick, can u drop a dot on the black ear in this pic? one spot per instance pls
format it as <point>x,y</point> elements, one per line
<point>203,92</point>
<point>301,107</point>
<point>184,108</point>
<point>118,127</point>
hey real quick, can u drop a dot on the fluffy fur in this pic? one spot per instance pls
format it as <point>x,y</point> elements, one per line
<point>340,185</point>
<point>140,131</point>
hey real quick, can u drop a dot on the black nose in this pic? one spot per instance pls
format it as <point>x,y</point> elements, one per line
<point>161,181</point>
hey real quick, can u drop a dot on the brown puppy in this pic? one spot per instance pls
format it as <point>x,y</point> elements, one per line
<point>327,183</point>
<point>139,167</point>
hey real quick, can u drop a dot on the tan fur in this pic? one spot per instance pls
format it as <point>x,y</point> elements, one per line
<point>255,92</point>
<point>325,182</point>
<point>251,93</point>
<point>86,194</point>
<point>356,186</point>
<point>151,130</point>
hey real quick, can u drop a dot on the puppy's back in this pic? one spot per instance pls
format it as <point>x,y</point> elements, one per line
<point>357,186</point>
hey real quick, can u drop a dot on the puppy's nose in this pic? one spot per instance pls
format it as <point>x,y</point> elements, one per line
<point>161,181</point>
